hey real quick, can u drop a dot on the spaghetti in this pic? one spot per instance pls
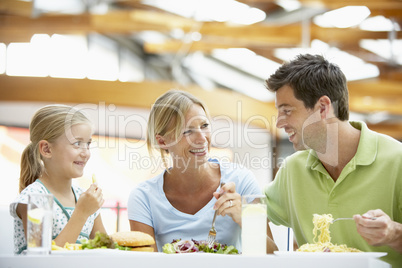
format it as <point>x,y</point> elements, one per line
<point>322,223</point>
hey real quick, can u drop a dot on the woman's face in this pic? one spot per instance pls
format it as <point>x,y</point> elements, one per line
<point>191,149</point>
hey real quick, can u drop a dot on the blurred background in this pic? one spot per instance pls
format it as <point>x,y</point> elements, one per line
<point>113,58</point>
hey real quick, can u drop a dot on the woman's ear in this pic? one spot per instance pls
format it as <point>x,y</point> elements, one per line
<point>161,141</point>
<point>44,149</point>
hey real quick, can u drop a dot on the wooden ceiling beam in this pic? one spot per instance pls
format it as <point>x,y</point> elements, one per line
<point>21,8</point>
<point>367,104</point>
<point>372,95</point>
<point>371,4</point>
<point>388,8</point>
<point>376,88</point>
<point>344,37</point>
<point>127,22</point>
<point>236,106</point>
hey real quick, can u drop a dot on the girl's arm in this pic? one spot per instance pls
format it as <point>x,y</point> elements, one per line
<point>88,203</point>
<point>98,227</point>
<point>22,213</point>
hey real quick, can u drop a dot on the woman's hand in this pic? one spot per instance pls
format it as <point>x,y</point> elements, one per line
<point>90,201</point>
<point>379,231</point>
<point>229,202</point>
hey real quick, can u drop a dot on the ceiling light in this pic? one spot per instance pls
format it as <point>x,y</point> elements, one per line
<point>343,17</point>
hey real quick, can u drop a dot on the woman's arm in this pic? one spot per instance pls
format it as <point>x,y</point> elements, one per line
<point>141,227</point>
<point>233,209</point>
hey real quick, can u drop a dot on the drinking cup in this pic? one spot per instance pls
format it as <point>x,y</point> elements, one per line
<point>254,225</point>
<point>39,223</point>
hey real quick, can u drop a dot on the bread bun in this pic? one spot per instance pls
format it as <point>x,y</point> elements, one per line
<point>133,239</point>
<point>143,249</point>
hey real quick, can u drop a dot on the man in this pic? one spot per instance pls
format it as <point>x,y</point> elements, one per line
<point>341,168</point>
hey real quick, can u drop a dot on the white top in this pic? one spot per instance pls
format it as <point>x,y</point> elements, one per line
<point>148,204</point>
<point>60,218</point>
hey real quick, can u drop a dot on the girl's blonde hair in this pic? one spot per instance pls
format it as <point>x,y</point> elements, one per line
<point>48,123</point>
<point>167,118</point>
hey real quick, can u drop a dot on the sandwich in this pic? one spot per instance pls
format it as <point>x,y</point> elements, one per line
<point>133,241</point>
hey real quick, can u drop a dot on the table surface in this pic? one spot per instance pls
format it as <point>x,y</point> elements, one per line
<point>111,258</point>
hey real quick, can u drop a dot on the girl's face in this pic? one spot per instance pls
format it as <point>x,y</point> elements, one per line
<point>70,152</point>
<point>191,149</point>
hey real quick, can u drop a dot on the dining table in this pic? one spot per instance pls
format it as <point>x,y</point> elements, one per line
<point>117,258</point>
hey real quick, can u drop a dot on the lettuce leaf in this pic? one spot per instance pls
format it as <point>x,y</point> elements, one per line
<point>168,248</point>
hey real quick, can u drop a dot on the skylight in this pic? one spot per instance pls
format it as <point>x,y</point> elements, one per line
<point>353,67</point>
<point>211,10</point>
<point>391,51</point>
<point>379,23</point>
<point>343,17</point>
<point>247,61</point>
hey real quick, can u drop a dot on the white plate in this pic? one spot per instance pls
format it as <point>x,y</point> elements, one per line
<point>298,254</point>
<point>98,251</point>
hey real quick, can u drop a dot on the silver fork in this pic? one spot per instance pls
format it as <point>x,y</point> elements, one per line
<point>372,218</point>
<point>212,231</point>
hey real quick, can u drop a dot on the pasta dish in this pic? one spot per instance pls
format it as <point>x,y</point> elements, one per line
<point>321,224</point>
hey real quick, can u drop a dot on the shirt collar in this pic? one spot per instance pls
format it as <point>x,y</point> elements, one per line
<point>366,150</point>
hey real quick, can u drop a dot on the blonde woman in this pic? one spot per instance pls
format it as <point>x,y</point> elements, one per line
<point>58,152</point>
<point>181,201</point>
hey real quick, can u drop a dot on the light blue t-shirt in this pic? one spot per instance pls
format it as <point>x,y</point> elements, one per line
<point>148,204</point>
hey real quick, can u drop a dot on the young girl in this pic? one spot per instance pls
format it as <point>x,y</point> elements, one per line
<point>59,150</point>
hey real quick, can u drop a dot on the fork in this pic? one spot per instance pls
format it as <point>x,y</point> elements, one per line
<point>212,231</point>
<point>372,218</point>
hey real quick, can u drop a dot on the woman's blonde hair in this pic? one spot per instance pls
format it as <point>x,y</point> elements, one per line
<point>48,123</point>
<point>167,118</point>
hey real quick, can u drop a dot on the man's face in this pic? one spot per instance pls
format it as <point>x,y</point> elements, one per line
<point>301,124</point>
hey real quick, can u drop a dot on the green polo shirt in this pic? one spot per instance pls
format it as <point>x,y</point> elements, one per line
<point>371,180</point>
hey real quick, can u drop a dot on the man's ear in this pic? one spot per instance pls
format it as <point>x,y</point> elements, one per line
<point>161,141</point>
<point>45,149</point>
<point>324,104</point>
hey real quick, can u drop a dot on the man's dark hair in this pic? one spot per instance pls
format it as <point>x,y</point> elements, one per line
<point>311,77</point>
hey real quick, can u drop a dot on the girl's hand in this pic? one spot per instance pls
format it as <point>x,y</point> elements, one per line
<point>90,201</point>
<point>229,202</point>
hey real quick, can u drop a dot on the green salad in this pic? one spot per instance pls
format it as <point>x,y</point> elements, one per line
<point>101,240</point>
<point>188,246</point>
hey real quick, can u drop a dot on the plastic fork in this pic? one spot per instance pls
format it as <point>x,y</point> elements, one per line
<point>212,232</point>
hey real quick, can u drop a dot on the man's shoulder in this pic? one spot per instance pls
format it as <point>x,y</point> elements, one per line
<point>383,139</point>
<point>388,140</point>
